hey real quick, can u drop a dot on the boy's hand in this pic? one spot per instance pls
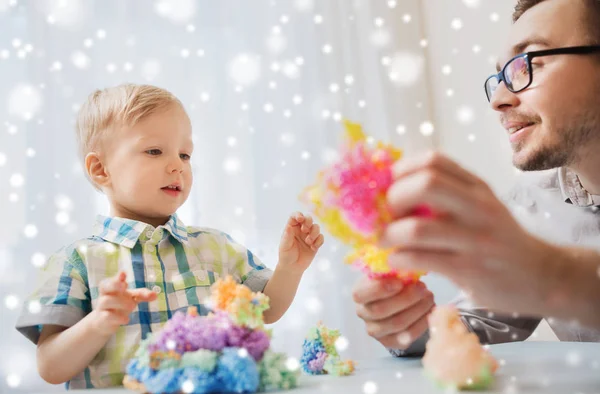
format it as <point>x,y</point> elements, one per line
<point>300,242</point>
<point>116,303</point>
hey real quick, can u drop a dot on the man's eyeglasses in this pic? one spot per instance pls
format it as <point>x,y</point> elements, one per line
<point>517,74</point>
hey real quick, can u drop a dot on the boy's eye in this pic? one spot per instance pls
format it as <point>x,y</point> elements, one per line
<point>154,152</point>
<point>185,156</point>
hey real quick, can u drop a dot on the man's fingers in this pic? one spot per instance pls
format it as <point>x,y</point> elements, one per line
<point>388,307</point>
<point>401,321</point>
<point>434,161</point>
<point>369,290</point>
<point>403,340</point>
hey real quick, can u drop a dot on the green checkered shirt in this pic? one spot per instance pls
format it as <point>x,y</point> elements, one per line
<point>179,263</point>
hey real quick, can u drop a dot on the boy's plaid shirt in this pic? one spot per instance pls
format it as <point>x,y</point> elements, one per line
<point>179,263</point>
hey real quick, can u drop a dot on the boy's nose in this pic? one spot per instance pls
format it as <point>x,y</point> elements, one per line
<point>175,166</point>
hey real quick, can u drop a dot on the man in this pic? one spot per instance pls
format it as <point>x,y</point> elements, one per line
<point>547,93</point>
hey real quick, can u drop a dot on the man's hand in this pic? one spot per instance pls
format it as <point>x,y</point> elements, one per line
<point>472,239</point>
<point>394,315</point>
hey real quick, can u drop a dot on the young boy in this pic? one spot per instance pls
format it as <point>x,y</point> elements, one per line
<point>102,295</point>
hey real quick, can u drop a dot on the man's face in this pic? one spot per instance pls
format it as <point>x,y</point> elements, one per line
<point>554,121</point>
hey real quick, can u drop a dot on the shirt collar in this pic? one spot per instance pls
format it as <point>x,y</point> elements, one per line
<point>126,232</point>
<point>572,190</point>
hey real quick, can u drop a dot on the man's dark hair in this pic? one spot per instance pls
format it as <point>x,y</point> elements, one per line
<point>592,16</point>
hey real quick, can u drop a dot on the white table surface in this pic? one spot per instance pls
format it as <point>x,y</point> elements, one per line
<point>526,367</point>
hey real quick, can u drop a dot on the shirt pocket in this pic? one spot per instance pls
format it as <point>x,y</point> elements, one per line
<point>191,288</point>
<point>192,278</point>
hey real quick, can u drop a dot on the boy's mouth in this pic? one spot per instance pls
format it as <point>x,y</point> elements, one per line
<point>172,190</point>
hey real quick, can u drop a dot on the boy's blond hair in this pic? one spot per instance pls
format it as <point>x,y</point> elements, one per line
<point>120,106</point>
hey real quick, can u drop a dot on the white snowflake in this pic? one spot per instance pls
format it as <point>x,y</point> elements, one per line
<point>288,139</point>
<point>304,5</point>
<point>232,165</point>
<point>150,69</point>
<point>292,364</point>
<point>11,301</point>
<point>38,260</point>
<point>62,218</point>
<point>276,43</point>
<point>456,24</point>
<point>245,69</point>
<point>370,387</point>
<point>341,344</point>
<point>314,305</point>
<point>69,14</point>
<point>13,380</point>
<point>291,70</point>
<point>24,101</point>
<point>427,128</point>
<point>380,37</point>
<point>472,3</point>
<point>573,359</point>
<point>17,180</point>
<point>30,231</point>
<point>465,115</point>
<point>177,11</point>
<point>405,68</point>
<point>34,307</point>
<point>188,387</point>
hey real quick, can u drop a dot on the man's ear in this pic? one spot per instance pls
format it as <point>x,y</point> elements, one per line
<point>96,170</point>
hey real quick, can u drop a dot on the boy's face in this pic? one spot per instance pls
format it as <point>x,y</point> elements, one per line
<point>149,168</point>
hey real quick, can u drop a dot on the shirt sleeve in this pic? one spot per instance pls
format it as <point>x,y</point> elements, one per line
<point>62,297</point>
<point>245,266</point>
<point>490,328</point>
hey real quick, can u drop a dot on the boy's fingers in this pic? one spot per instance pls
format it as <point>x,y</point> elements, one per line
<point>112,285</point>
<point>319,242</point>
<point>293,220</point>
<point>142,295</point>
<point>116,303</point>
<point>308,222</point>
<point>314,232</point>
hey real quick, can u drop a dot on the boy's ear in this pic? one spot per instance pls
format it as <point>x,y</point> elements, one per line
<point>96,170</point>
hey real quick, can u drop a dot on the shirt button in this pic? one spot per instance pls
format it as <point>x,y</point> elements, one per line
<point>200,275</point>
<point>149,233</point>
<point>150,248</point>
<point>156,289</point>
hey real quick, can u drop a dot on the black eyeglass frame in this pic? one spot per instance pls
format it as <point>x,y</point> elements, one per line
<point>528,56</point>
